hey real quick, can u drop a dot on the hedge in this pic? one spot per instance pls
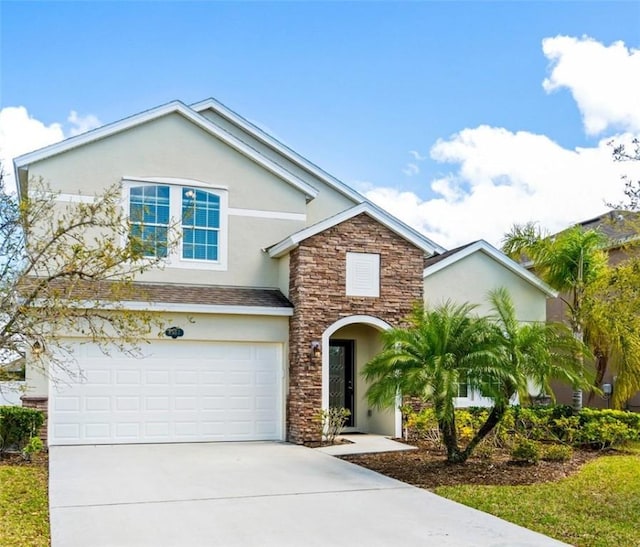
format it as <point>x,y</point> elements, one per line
<point>18,425</point>
<point>588,428</point>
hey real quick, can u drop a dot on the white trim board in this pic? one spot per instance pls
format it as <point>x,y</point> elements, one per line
<point>257,213</point>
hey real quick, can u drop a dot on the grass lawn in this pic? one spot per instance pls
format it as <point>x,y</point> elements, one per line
<point>599,506</point>
<point>24,505</point>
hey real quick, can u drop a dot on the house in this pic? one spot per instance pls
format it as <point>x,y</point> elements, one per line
<point>467,274</point>
<point>280,291</point>
<point>621,231</point>
<point>279,288</point>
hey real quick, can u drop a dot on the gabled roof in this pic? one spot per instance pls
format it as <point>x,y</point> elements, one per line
<point>235,140</point>
<point>384,218</point>
<point>442,261</point>
<point>274,144</point>
<point>21,163</point>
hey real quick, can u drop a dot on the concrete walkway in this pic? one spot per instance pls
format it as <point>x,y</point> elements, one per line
<point>246,494</point>
<point>365,444</point>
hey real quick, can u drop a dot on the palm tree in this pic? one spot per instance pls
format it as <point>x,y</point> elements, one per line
<point>438,351</point>
<point>570,262</point>
<point>450,345</point>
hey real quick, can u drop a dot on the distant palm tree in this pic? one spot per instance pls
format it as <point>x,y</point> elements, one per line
<point>449,345</point>
<point>569,262</point>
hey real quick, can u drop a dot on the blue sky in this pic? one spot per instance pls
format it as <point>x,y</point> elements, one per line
<point>364,90</point>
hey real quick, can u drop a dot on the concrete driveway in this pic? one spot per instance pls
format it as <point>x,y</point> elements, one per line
<point>244,494</point>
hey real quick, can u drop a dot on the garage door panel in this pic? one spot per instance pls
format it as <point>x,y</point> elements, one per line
<point>127,404</point>
<point>174,392</point>
<point>97,404</point>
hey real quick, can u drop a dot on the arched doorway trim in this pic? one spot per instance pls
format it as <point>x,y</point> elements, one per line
<point>374,322</point>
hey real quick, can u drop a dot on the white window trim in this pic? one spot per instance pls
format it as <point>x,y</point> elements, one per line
<point>175,260</point>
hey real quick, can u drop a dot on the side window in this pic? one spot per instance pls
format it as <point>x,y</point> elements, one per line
<point>149,217</point>
<point>200,224</point>
<point>463,390</point>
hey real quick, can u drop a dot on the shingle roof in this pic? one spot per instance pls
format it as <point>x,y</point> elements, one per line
<point>213,295</point>
<point>437,258</point>
<point>617,226</point>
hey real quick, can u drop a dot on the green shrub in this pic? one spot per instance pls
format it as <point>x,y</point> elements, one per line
<point>603,432</point>
<point>34,446</point>
<point>526,451</point>
<point>485,450</point>
<point>590,428</point>
<point>18,425</point>
<point>557,453</point>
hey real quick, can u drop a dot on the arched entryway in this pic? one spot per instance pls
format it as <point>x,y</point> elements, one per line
<point>347,345</point>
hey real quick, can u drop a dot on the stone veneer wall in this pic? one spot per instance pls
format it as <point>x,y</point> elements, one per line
<point>39,403</point>
<point>318,292</point>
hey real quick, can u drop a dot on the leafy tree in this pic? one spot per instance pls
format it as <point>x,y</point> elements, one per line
<point>570,262</point>
<point>612,308</point>
<point>632,187</point>
<point>450,345</point>
<point>67,268</point>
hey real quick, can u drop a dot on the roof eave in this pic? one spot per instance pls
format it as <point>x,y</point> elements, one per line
<point>22,162</point>
<point>276,145</point>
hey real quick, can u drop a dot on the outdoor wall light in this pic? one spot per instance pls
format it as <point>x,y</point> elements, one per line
<point>37,348</point>
<point>174,332</point>
<point>315,349</point>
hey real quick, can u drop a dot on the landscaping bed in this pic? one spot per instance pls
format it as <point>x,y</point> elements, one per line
<point>427,468</point>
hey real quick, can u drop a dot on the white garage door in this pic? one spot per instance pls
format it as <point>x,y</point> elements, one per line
<point>178,391</point>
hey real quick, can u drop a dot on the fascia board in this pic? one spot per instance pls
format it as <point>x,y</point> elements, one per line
<point>21,162</point>
<point>501,258</point>
<point>283,149</point>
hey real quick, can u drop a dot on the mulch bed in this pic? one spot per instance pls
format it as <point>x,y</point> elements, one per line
<point>14,458</point>
<point>427,468</point>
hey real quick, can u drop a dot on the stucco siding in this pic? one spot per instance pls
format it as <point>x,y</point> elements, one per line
<point>174,147</point>
<point>472,277</point>
<point>329,201</point>
<point>248,265</point>
<point>170,146</point>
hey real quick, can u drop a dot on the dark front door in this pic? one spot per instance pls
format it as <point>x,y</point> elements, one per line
<point>341,377</point>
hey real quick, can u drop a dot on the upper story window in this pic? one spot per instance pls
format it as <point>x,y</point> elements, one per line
<point>200,224</point>
<point>199,214</point>
<point>149,216</point>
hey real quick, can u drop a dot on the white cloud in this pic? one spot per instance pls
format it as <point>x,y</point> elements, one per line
<point>82,124</point>
<point>411,169</point>
<point>504,178</point>
<point>19,134</point>
<point>604,81</point>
